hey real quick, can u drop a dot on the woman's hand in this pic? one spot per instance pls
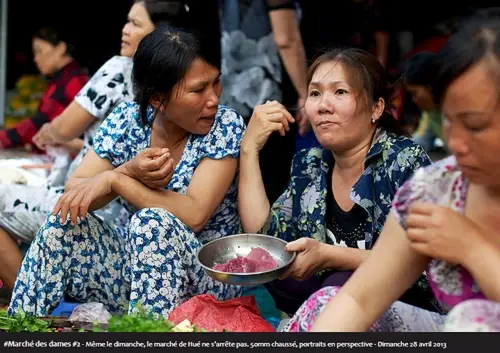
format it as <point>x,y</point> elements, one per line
<point>77,201</point>
<point>310,258</point>
<point>153,167</point>
<point>441,233</point>
<point>43,137</point>
<point>266,119</point>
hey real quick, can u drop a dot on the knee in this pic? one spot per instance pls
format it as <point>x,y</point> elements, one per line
<point>157,235</point>
<point>156,222</point>
<point>53,233</point>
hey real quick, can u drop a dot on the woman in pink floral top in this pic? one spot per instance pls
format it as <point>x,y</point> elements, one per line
<point>444,219</point>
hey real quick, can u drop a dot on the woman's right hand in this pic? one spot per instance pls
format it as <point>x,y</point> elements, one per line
<point>153,167</point>
<point>266,119</point>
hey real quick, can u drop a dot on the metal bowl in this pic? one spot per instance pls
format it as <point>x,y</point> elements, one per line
<point>226,248</point>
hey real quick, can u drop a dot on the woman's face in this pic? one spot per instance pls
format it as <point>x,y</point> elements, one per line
<point>47,56</point>
<point>421,96</point>
<point>137,27</point>
<point>195,100</point>
<point>471,124</point>
<point>338,116</point>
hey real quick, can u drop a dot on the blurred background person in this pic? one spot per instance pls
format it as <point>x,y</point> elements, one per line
<point>52,56</point>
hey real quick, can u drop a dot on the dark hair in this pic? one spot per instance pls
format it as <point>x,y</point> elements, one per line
<point>53,36</point>
<point>161,12</point>
<point>476,39</point>
<point>161,61</point>
<point>419,69</point>
<point>367,75</point>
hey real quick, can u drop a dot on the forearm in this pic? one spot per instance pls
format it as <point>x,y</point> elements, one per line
<point>351,317</point>
<point>338,257</point>
<point>392,267</point>
<point>96,204</point>
<point>382,46</point>
<point>74,146</point>
<point>253,203</point>
<point>484,265</point>
<point>295,62</point>
<point>140,196</point>
<point>71,124</point>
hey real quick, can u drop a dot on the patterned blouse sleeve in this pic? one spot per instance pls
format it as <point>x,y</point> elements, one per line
<point>106,88</point>
<point>110,139</point>
<point>413,190</point>
<point>225,137</point>
<point>281,217</point>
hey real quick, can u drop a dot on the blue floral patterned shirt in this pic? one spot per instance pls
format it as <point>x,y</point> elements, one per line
<point>123,135</point>
<point>301,210</point>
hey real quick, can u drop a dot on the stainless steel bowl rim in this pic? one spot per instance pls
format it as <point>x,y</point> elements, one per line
<point>294,255</point>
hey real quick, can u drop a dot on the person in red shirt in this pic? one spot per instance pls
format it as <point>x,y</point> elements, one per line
<point>53,58</point>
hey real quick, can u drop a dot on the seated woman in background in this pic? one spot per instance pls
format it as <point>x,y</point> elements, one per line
<point>52,56</point>
<point>110,86</point>
<point>340,195</point>
<point>158,155</point>
<point>446,216</point>
<point>418,76</point>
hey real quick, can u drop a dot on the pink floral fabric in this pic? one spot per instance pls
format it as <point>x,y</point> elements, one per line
<point>454,288</point>
<point>475,315</point>
<point>442,184</point>
<point>400,317</point>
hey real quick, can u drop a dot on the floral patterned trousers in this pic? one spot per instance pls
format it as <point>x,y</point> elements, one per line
<point>400,317</point>
<point>154,265</point>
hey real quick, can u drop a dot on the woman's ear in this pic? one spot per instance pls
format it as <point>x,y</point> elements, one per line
<point>62,48</point>
<point>378,109</point>
<point>158,102</point>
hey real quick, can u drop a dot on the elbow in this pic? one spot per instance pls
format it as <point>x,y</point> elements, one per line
<point>197,226</point>
<point>251,227</point>
<point>284,41</point>
<point>198,222</point>
<point>252,221</point>
<point>65,134</point>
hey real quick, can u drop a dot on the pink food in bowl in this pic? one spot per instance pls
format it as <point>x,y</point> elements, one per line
<point>258,260</point>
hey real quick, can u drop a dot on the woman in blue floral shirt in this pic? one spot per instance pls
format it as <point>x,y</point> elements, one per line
<point>158,155</point>
<point>338,196</point>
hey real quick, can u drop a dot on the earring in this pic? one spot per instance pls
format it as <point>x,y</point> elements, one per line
<point>373,121</point>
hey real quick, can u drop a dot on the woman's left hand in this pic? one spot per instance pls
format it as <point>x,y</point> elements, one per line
<point>77,201</point>
<point>43,137</point>
<point>309,260</point>
<point>441,233</point>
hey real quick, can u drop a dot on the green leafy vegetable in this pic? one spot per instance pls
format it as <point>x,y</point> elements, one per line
<point>22,322</point>
<point>141,321</point>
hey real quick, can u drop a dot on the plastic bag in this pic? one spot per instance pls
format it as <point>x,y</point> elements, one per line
<point>90,313</point>
<point>236,315</point>
<point>61,160</point>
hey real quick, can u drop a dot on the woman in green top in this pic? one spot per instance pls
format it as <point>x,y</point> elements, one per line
<point>417,79</point>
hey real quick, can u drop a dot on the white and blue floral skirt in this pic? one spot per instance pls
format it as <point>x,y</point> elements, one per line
<point>154,266</point>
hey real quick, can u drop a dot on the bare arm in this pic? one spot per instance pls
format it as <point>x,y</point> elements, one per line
<point>339,257</point>
<point>74,146</point>
<point>208,187</point>
<point>483,264</point>
<point>382,46</point>
<point>71,124</point>
<point>285,25</point>
<point>91,166</point>
<point>387,273</point>
<point>253,204</point>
